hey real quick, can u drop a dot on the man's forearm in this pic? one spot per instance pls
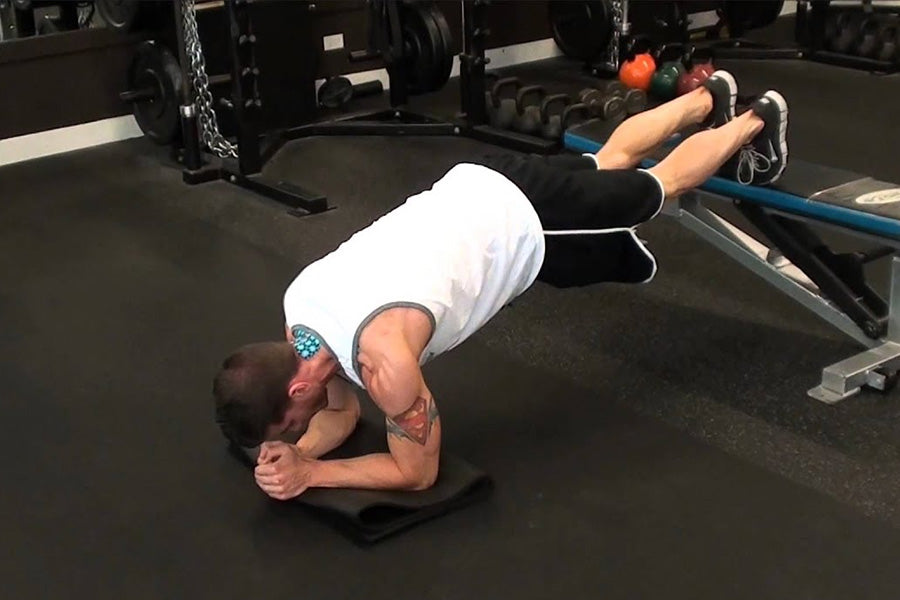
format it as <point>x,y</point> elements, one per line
<point>369,472</point>
<point>327,430</point>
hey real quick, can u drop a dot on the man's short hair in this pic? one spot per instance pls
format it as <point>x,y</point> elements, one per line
<point>251,390</point>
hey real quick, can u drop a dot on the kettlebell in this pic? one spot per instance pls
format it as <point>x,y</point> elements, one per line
<point>868,42</point>
<point>528,109</point>
<point>695,72</point>
<point>889,38</point>
<point>664,83</point>
<point>551,124</point>
<point>639,66</point>
<point>502,102</point>
<point>848,26</point>
<point>575,114</point>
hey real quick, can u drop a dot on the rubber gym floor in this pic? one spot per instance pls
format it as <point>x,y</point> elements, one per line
<point>644,441</point>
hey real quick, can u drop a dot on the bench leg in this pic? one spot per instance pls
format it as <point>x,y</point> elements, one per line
<point>875,368</point>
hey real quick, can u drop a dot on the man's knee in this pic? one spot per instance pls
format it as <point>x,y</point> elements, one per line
<point>611,158</point>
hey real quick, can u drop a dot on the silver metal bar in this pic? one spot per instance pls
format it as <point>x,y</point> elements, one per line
<point>893,331</point>
<point>755,256</point>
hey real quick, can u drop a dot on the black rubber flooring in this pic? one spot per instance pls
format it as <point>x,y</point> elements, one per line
<point>645,441</point>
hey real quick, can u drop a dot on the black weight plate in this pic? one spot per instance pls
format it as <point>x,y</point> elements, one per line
<point>156,69</point>
<point>119,14</point>
<point>443,75</point>
<point>581,28</point>
<point>335,92</point>
<point>423,47</point>
<point>752,14</point>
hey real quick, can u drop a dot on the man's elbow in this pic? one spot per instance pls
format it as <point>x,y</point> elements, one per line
<point>422,480</point>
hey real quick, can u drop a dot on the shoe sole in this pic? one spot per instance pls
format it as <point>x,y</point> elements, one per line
<point>779,101</point>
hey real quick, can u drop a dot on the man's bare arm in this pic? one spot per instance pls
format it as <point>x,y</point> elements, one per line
<point>414,438</point>
<point>330,427</point>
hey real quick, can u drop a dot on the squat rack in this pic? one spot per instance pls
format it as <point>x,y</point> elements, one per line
<point>242,163</point>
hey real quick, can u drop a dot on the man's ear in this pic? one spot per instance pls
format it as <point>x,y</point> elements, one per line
<point>297,388</point>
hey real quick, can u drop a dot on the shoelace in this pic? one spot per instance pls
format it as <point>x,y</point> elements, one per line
<point>750,162</point>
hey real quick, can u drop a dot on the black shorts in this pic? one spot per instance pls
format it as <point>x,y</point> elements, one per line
<point>588,215</point>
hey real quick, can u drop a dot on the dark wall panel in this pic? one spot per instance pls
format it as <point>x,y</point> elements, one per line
<point>62,80</point>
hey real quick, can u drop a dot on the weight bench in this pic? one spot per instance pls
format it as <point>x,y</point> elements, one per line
<point>797,261</point>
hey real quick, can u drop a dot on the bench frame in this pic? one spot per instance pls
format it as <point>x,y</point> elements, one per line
<point>830,285</point>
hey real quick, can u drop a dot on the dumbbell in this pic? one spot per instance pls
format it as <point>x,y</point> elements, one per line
<point>608,107</point>
<point>635,101</point>
<point>613,87</point>
<point>528,109</point>
<point>501,102</point>
<point>336,92</point>
<point>551,123</point>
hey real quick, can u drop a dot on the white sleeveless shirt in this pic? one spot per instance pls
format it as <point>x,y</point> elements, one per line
<point>460,252</point>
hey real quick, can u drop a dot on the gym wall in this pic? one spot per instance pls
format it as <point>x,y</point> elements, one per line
<point>71,78</point>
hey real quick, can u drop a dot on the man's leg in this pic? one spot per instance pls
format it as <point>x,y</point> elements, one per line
<point>639,136</point>
<point>699,157</point>
<point>759,134</point>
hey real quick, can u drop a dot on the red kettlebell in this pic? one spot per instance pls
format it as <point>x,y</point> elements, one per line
<point>706,69</point>
<point>638,69</point>
<point>695,73</point>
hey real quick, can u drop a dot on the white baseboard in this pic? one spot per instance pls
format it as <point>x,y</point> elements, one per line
<point>88,135</point>
<point>66,139</point>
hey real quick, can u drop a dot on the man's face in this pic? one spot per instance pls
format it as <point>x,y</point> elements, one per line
<point>298,414</point>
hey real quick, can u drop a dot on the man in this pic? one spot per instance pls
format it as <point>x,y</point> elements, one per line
<point>426,276</point>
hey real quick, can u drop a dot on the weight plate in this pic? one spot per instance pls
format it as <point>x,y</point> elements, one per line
<point>120,15</point>
<point>581,28</point>
<point>447,54</point>
<point>156,70</point>
<point>425,48</point>
<point>335,92</point>
<point>752,14</point>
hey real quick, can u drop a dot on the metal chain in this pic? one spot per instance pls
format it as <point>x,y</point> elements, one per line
<point>209,125</point>
<point>615,41</point>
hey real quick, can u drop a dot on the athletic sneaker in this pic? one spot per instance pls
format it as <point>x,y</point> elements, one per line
<point>723,88</point>
<point>763,160</point>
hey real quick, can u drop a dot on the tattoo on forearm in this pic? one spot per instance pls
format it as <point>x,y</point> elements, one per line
<point>416,422</point>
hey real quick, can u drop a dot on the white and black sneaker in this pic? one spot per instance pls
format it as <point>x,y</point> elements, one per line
<point>763,160</point>
<point>723,89</point>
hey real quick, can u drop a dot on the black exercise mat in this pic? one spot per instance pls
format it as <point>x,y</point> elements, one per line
<point>369,516</point>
